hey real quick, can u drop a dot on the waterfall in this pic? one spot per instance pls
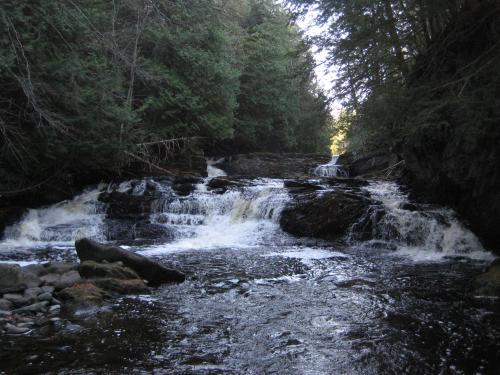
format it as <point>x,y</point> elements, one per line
<point>212,170</point>
<point>242,217</point>
<point>421,232</point>
<point>330,169</point>
<point>60,224</point>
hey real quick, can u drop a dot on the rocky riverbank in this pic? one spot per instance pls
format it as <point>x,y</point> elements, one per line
<point>33,296</point>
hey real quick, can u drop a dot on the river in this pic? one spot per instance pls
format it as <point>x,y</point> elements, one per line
<point>260,301</point>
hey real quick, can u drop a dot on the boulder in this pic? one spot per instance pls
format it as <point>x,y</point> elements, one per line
<point>13,278</point>
<point>83,294</point>
<point>5,304</point>
<point>90,269</point>
<point>147,269</point>
<point>326,215</point>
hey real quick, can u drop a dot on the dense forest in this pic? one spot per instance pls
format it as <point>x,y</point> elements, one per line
<point>89,86</point>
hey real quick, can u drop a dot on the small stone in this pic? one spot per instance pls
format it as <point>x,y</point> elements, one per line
<point>48,289</point>
<point>32,292</point>
<point>55,319</point>
<point>45,296</point>
<point>41,321</point>
<point>12,296</point>
<point>4,313</point>
<point>5,304</point>
<point>27,324</point>
<point>54,308</point>
<point>59,267</point>
<point>18,299</point>
<point>50,279</point>
<point>55,301</point>
<point>13,330</point>
<point>36,307</point>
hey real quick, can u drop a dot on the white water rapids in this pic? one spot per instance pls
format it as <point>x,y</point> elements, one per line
<point>244,217</point>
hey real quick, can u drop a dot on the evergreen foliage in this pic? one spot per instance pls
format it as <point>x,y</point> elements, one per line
<point>412,67</point>
<point>87,83</point>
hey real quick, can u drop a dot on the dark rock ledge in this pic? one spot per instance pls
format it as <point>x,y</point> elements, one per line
<point>32,297</point>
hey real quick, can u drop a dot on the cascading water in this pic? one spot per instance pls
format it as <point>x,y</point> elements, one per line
<point>259,301</point>
<point>426,234</point>
<point>59,224</point>
<point>212,170</point>
<point>330,169</point>
<point>237,218</point>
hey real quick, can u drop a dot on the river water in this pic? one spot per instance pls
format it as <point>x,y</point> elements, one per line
<point>259,301</point>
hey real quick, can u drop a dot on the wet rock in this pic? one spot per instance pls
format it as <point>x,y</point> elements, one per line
<point>147,269</point>
<point>221,184</point>
<point>61,281</point>
<point>273,165</point>
<point>183,189</point>
<point>35,307</point>
<point>83,294</point>
<point>91,269</point>
<point>328,215</point>
<point>120,286</point>
<point>14,278</point>
<point>51,278</point>
<point>345,181</point>
<point>33,292</point>
<point>45,297</point>
<point>5,304</point>
<point>14,330</point>
<point>488,283</point>
<point>124,230</point>
<point>36,269</point>
<point>128,206</point>
<point>54,308</point>
<point>301,186</point>
<point>19,299</point>
<point>48,289</point>
<point>41,321</point>
<point>67,279</point>
<point>58,268</point>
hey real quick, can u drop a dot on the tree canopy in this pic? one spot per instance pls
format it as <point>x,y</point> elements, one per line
<point>87,83</point>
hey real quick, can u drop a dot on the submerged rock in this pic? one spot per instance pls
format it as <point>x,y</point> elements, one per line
<point>328,215</point>
<point>153,272</point>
